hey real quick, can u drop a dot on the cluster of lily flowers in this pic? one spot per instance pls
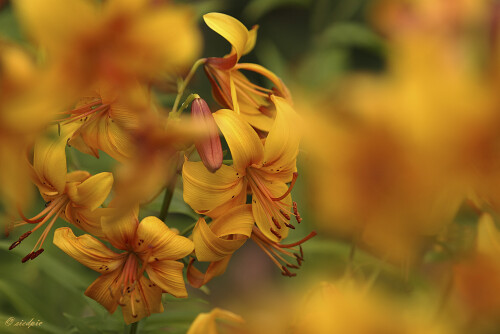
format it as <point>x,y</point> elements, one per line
<point>89,85</point>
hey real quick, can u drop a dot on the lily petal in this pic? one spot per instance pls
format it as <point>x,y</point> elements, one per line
<point>49,159</point>
<point>168,276</point>
<point>205,323</point>
<point>197,279</point>
<point>119,227</point>
<point>87,250</point>
<point>211,242</point>
<point>89,221</point>
<point>231,29</point>
<point>262,218</point>
<point>488,237</point>
<point>205,191</point>
<point>252,38</point>
<point>103,291</point>
<point>78,176</point>
<point>146,299</point>
<point>282,143</point>
<point>153,235</point>
<point>244,143</point>
<point>92,192</point>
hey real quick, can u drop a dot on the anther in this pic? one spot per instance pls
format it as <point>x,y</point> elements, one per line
<point>287,272</point>
<point>275,233</point>
<point>301,253</point>
<point>284,214</point>
<point>35,254</point>
<point>298,258</point>
<point>24,236</point>
<point>275,221</point>
<point>15,244</point>
<point>27,257</point>
<point>298,218</point>
<point>295,210</point>
<point>290,226</point>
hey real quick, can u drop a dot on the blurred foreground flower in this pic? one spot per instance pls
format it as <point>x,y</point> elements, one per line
<point>27,104</point>
<point>208,323</point>
<point>116,42</point>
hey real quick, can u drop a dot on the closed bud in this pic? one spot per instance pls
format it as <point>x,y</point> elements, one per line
<point>209,147</point>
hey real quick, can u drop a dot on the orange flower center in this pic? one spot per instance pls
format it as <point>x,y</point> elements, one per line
<point>277,211</point>
<point>83,113</point>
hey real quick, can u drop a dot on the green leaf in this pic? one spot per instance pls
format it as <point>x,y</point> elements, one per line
<point>349,34</point>
<point>258,8</point>
<point>9,25</point>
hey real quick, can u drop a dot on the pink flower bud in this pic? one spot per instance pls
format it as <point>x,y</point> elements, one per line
<point>209,148</point>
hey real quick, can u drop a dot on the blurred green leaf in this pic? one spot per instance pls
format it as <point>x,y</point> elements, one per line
<point>349,34</point>
<point>9,27</point>
<point>322,67</point>
<point>258,8</point>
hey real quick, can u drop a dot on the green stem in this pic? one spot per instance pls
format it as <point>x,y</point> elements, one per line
<point>186,103</point>
<point>167,199</point>
<point>133,327</point>
<point>185,82</point>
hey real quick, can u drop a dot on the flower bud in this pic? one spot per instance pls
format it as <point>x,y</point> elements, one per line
<point>209,148</point>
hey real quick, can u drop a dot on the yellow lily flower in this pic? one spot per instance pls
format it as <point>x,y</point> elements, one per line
<point>231,88</point>
<point>217,242</point>
<point>118,41</point>
<point>206,323</point>
<point>149,246</point>
<point>74,196</point>
<point>264,170</point>
<point>107,120</point>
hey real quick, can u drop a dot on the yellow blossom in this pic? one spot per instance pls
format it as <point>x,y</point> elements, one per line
<point>74,196</point>
<point>217,242</point>
<point>264,170</point>
<point>230,87</point>
<point>148,247</point>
